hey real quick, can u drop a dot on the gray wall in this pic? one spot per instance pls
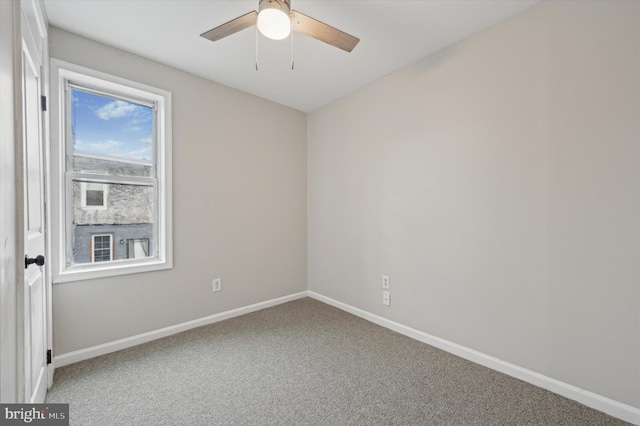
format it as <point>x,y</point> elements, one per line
<point>239,208</point>
<point>121,233</point>
<point>497,183</point>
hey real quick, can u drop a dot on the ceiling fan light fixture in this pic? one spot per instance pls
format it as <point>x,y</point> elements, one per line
<point>274,21</point>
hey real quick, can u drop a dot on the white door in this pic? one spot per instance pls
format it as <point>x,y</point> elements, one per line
<point>35,288</point>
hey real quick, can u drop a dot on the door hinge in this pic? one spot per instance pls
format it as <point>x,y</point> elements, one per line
<point>43,103</point>
<point>48,356</point>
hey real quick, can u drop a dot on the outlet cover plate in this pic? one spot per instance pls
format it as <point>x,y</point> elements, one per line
<point>386,298</point>
<point>385,281</point>
<point>217,284</point>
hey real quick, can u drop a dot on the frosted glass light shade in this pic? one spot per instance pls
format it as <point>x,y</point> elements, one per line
<point>274,23</point>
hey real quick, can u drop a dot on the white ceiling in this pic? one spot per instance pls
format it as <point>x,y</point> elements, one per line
<point>392,33</point>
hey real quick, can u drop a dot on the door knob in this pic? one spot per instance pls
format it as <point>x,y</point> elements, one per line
<point>38,260</point>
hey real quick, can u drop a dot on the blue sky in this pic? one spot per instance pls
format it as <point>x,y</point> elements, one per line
<point>111,127</point>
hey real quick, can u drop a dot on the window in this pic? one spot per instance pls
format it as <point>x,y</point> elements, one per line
<point>137,248</point>
<point>93,195</point>
<point>102,248</point>
<point>112,166</point>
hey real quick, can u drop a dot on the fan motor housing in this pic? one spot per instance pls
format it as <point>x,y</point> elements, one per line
<point>282,5</point>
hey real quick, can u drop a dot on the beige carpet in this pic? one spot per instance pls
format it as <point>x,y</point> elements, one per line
<point>301,363</point>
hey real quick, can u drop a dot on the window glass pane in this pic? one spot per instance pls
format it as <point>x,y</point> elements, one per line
<point>110,135</point>
<point>128,215</point>
<point>95,197</point>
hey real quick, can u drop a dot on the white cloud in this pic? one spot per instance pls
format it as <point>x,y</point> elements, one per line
<point>115,109</point>
<point>113,148</point>
<point>146,140</point>
<point>102,147</point>
<point>140,154</point>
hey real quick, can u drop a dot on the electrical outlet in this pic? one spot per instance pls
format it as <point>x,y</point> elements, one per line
<point>386,298</point>
<point>217,284</point>
<point>385,281</point>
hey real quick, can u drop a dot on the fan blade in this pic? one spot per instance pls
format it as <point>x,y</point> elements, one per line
<point>320,31</point>
<point>231,27</point>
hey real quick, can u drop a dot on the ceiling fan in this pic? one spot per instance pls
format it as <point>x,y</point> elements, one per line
<point>275,19</point>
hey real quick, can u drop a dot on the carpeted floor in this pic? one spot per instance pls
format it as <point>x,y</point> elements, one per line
<point>301,363</point>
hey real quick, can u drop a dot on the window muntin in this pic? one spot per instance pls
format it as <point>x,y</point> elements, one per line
<point>115,162</point>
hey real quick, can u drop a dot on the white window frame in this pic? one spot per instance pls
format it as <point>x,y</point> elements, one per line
<point>93,246</point>
<point>63,73</point>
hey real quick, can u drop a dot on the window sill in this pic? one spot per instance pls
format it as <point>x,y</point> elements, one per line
<point>85,272</point>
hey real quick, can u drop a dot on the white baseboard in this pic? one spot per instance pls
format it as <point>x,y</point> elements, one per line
<point>105,348</point>
<point>614,408</point>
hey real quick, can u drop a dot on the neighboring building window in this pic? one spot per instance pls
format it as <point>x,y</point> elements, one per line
<point>137,248</point>
<point>94,195</point>
<point>115,174</point>
<point>101,248</point>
